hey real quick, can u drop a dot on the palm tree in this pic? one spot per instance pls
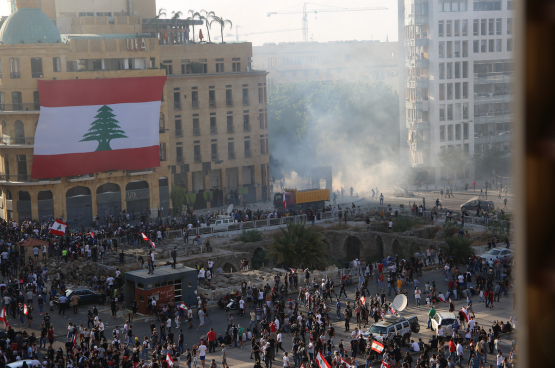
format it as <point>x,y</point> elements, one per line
<point>161,12</point>
<point>299,246</point>
<point>194,15</point>
<point>175,17</point>
<point>222,22</point>
<point>207,16</point>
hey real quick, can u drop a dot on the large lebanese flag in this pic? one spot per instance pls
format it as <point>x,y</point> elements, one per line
<point>321,361</point>
<point>93,125</point>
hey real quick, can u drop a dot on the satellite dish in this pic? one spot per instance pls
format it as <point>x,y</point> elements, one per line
<point>399,303</point>
<point>229,208</point>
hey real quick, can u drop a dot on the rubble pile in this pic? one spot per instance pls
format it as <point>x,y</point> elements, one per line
<point>84,270</point>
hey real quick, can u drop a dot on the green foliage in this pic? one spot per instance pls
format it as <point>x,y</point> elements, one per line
<point>499,228</point>
<point>103,129</point>
<point>222,23</point>
<point>258,258</point>
<point>405,223</point>
<point>250,236</point>
<point>196,67</point>
<point>299,246</point>
<point>454,159</point>
<point>459,248</point>
<point>312,116</point>
<point>450,228</point>
<point>178,197</point>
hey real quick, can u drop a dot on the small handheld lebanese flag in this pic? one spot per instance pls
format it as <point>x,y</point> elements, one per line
<point>182,306</point>
<point>146,238</point>
<point>25,310</point>
<point>385,364</point>
<point>284,204</point>
<point>465,314</point>
<point>322,362</point>
<point>91,234</point>
<point>345,362</point>
<point>363,300</point>
<point>3,318</point>
<point>58,228</point>
<point>376,346</point>
<point>442,298</point>
<point>107,124</point>
<point>169,359</point>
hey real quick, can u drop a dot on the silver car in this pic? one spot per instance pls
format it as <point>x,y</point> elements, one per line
<point>497,253</point>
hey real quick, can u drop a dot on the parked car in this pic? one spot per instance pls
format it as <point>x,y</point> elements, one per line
<point>472,205</point>
<point>444,319</point>
<point>497,253</point>
<point>86,296</point>
<point>392,324</point>
<point>19,363</point>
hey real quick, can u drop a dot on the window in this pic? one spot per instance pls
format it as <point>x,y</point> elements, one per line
<point>194,99</point>
<point>465,49</point>
<point>490,27</point>
<point>483,46</point>
<point>457,70</point>
<point>441,112</point>
<point>2,108</point>
<point>22,168</point>
<point>177,101</point>
<point>442,92</point>
<point>196,126</point>
<point>449,49</point>
<point>450,112</point>
<point>498,45</point>
<point>36,100</point>
<point>509,5</point>
<point>465,69</point>
<point>163,152</point>
<point>442,133</point>
<point>509,26</point>
<point>262,146</point>
<point>498,23</point>
<point>219,67</point>
<point>457,91</point>
<point>465,111</point>
<point>230,150</point>
<point>247,149</point>
<point>178,128</point>
<point>214,151</point>
<point>56,65</point>
<point>260,95</point>
<point>486,5</point>
<point>228,97</point>
<point>440,25</point>
<point>197,155</point>
<point>246,123</point>
<point>213,125</point>
<point>441,50</point>
<point>449,91</point>
<point>449,132</point>
<point>261,120</point>
<point>449,70</point>
<point>475,27</point>
<point>245,96</point>
<point>476,46</point>
<point>465,27</point>
<point>457,132</point>
<point>465,90</point>
<point>483,27</point>
<point>212,98</point>
<point>448,27</point>
<point>236,67</point>
<point>457,49</point>
<point>441,70</point>
<point>14,69</point>
<point>230,123</point>
<point>509,44</point>
<point>17,101</point>
<point>458,111</point>
<point>491,45</point>
<point>465,130</point>
<point>179,154</point>
<point>456,28</point>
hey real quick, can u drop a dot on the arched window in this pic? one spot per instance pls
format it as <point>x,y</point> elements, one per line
<point>19,131</point>
<point>78,191</point>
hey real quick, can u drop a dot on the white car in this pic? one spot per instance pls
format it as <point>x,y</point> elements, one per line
<point>444,319</point>
<point>19,363</point>
<point>497,253</point>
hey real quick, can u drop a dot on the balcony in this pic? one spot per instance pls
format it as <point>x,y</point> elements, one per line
<point>231,155</point>
<point>196,131</point>
<point>212,103</point>
<point>248,153</point>
<point>177,105</point>
<point>493,138</point>
<point>20,107</point>
<point>198,158</point>
<point>230,129</point>
<point>25,178</point>
<point>416,63</point>
<point>15,75</point>
<point>229,102</point>
<point>245,101</point>
<point>195,104</point>
<point>179,159</point>
<point>214,156</point>
<point>493,97</point>
<point>18,141</point>
<point>419,105</point>
<point>493,117</point>
<point>37,74</point>
<point>246,127</point>
<point>179,132</point>
<point>213,130</point>
<point>493,77</point>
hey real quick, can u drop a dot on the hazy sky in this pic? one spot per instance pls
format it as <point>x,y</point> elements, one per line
<point>251,16</point>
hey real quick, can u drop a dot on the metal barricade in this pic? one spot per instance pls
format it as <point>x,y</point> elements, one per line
<point>204,230</point>
<point>248,225</point>
<point>260,223</point>
<point>288,220</point>
<point>275,221</point>
<point>234,227</point>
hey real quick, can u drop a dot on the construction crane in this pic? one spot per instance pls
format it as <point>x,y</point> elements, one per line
<point>237,35</point>
<point>316,11</point>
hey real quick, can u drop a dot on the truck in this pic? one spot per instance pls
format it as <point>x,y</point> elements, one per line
<point>301,199</point>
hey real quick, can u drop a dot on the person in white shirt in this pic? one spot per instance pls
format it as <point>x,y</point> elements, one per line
<point>285,360</point>
<point>414,346</point>
<point>202,353</point>
<point>417,296</point>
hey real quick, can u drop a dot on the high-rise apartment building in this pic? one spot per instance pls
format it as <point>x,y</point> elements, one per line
<point>457,76</point>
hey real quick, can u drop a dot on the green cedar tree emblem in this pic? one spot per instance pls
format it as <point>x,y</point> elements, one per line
<point>103,129</point>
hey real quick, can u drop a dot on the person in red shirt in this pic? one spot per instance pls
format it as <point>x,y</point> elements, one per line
<point>452,350</point>
<point>211,336</point>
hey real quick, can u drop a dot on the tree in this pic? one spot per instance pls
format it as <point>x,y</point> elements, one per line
<point>177,196</point>
<point>161,12</point>
<point>103,129</point>
<point>459,248</point>
<point>489,161</point>
<point>222,22</point>
<point>454,159</point>
<point>207,16</point>
<point>194,15</point>
<point>299,246</point>
<point>499,228</point>
<point>175,17</point>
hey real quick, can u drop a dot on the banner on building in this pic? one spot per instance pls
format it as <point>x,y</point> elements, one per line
<point>93,125</point>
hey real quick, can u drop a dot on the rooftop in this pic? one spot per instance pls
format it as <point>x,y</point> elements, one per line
<point>160,271</point>
<point>66,37</point>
